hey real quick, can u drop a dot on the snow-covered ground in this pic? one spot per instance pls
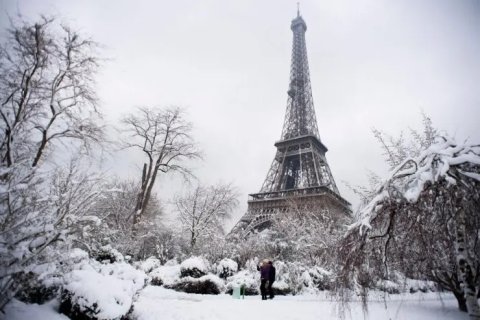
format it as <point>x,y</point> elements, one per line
<point>158,303</point>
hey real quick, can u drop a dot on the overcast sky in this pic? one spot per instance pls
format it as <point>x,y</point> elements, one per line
<point>372,64</point>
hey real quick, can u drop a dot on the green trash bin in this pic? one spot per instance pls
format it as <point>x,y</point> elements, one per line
<point>236,293</point>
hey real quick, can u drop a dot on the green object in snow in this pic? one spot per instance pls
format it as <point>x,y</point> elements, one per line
<point>239,291</point>
<point>236,293</point>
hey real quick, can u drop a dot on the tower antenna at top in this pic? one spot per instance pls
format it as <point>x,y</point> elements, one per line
<point>298,9</point>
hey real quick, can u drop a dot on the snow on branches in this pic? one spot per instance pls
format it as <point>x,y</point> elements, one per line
<point>429,203</point>
<point>444,159</point>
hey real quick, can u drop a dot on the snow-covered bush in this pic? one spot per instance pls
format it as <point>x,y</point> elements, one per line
<point>251,265</point>
<point>226,268</point>
<point>148,265</point>
<point>321,279</point>
<point>300,278</point>
<point>194,267</point>
<point>34,290</point>
<point>413,286</point>
<point>207,284</point>
<point>281,288</point>
<point>101,291</point>
<point>108,254</point>
<point>43,282</point>
<point>166,275</point>
<point>398,283</point>
<point>388,286</point>
<point>248,278</point>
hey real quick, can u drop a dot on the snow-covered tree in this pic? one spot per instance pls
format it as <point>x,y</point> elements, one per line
<point>47,98</point>
<point>116,210</point>
<point>429,204</point>
<point>41,217</point>
<point>307,233</point>
<point>203,210</point>
<point>164,136</point>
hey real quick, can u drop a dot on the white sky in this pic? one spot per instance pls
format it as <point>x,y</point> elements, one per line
<point>372,64</point>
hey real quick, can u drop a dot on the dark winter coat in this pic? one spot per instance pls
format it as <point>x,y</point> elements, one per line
<point>265,272</point>
<point>271,273</point>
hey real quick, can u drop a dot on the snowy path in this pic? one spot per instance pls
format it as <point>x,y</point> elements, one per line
<point>155,303</point>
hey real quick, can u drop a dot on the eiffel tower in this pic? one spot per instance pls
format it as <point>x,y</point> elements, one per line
<point>299,171</point>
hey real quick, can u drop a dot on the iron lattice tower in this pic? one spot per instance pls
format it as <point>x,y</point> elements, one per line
<point>299,170</point>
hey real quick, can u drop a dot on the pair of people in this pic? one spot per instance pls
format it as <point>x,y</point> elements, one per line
<point>267,277</point>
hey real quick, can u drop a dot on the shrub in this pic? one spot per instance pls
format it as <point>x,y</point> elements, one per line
<point>420,285</point>
<point>97,291</point>
<point>34,290</point>
<point>226,268</point>
<point>194,267</point>
<point>44,282</point>
<point>321,279</point>
<point>208,284</point>
<point>165,275</point>
<point>388,286</point>
<point>148,265</point>
<point>108,254</point>
<point>281,288</point>
<point>250,279</point>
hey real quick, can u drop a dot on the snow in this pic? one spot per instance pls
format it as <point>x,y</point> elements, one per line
<point>195,262</point>
<point>109,250</point>
<point>149,264</point>
<point>227,264</point>
<point>472,175</point>
<point>94,219</point>
<point>158,303</point>
<point>17,310</point>
<point>169,274</point>
<point>77,255</point>
<point>411,176</point>
<point>109,289</point>
<point>211,277</point>
<point>244,277</point>
<point>155,303</point>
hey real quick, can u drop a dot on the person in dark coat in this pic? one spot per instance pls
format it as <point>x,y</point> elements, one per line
<point>271,278</point>
<point>264,269</point>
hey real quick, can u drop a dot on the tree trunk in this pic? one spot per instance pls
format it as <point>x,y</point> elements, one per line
<point>140,199</point>
<point>193,241</point>
<point>151,182</point>
<point>462,304</point>
<point>464,267</point>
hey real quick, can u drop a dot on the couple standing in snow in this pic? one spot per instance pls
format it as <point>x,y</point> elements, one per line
<point>267,277</point>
